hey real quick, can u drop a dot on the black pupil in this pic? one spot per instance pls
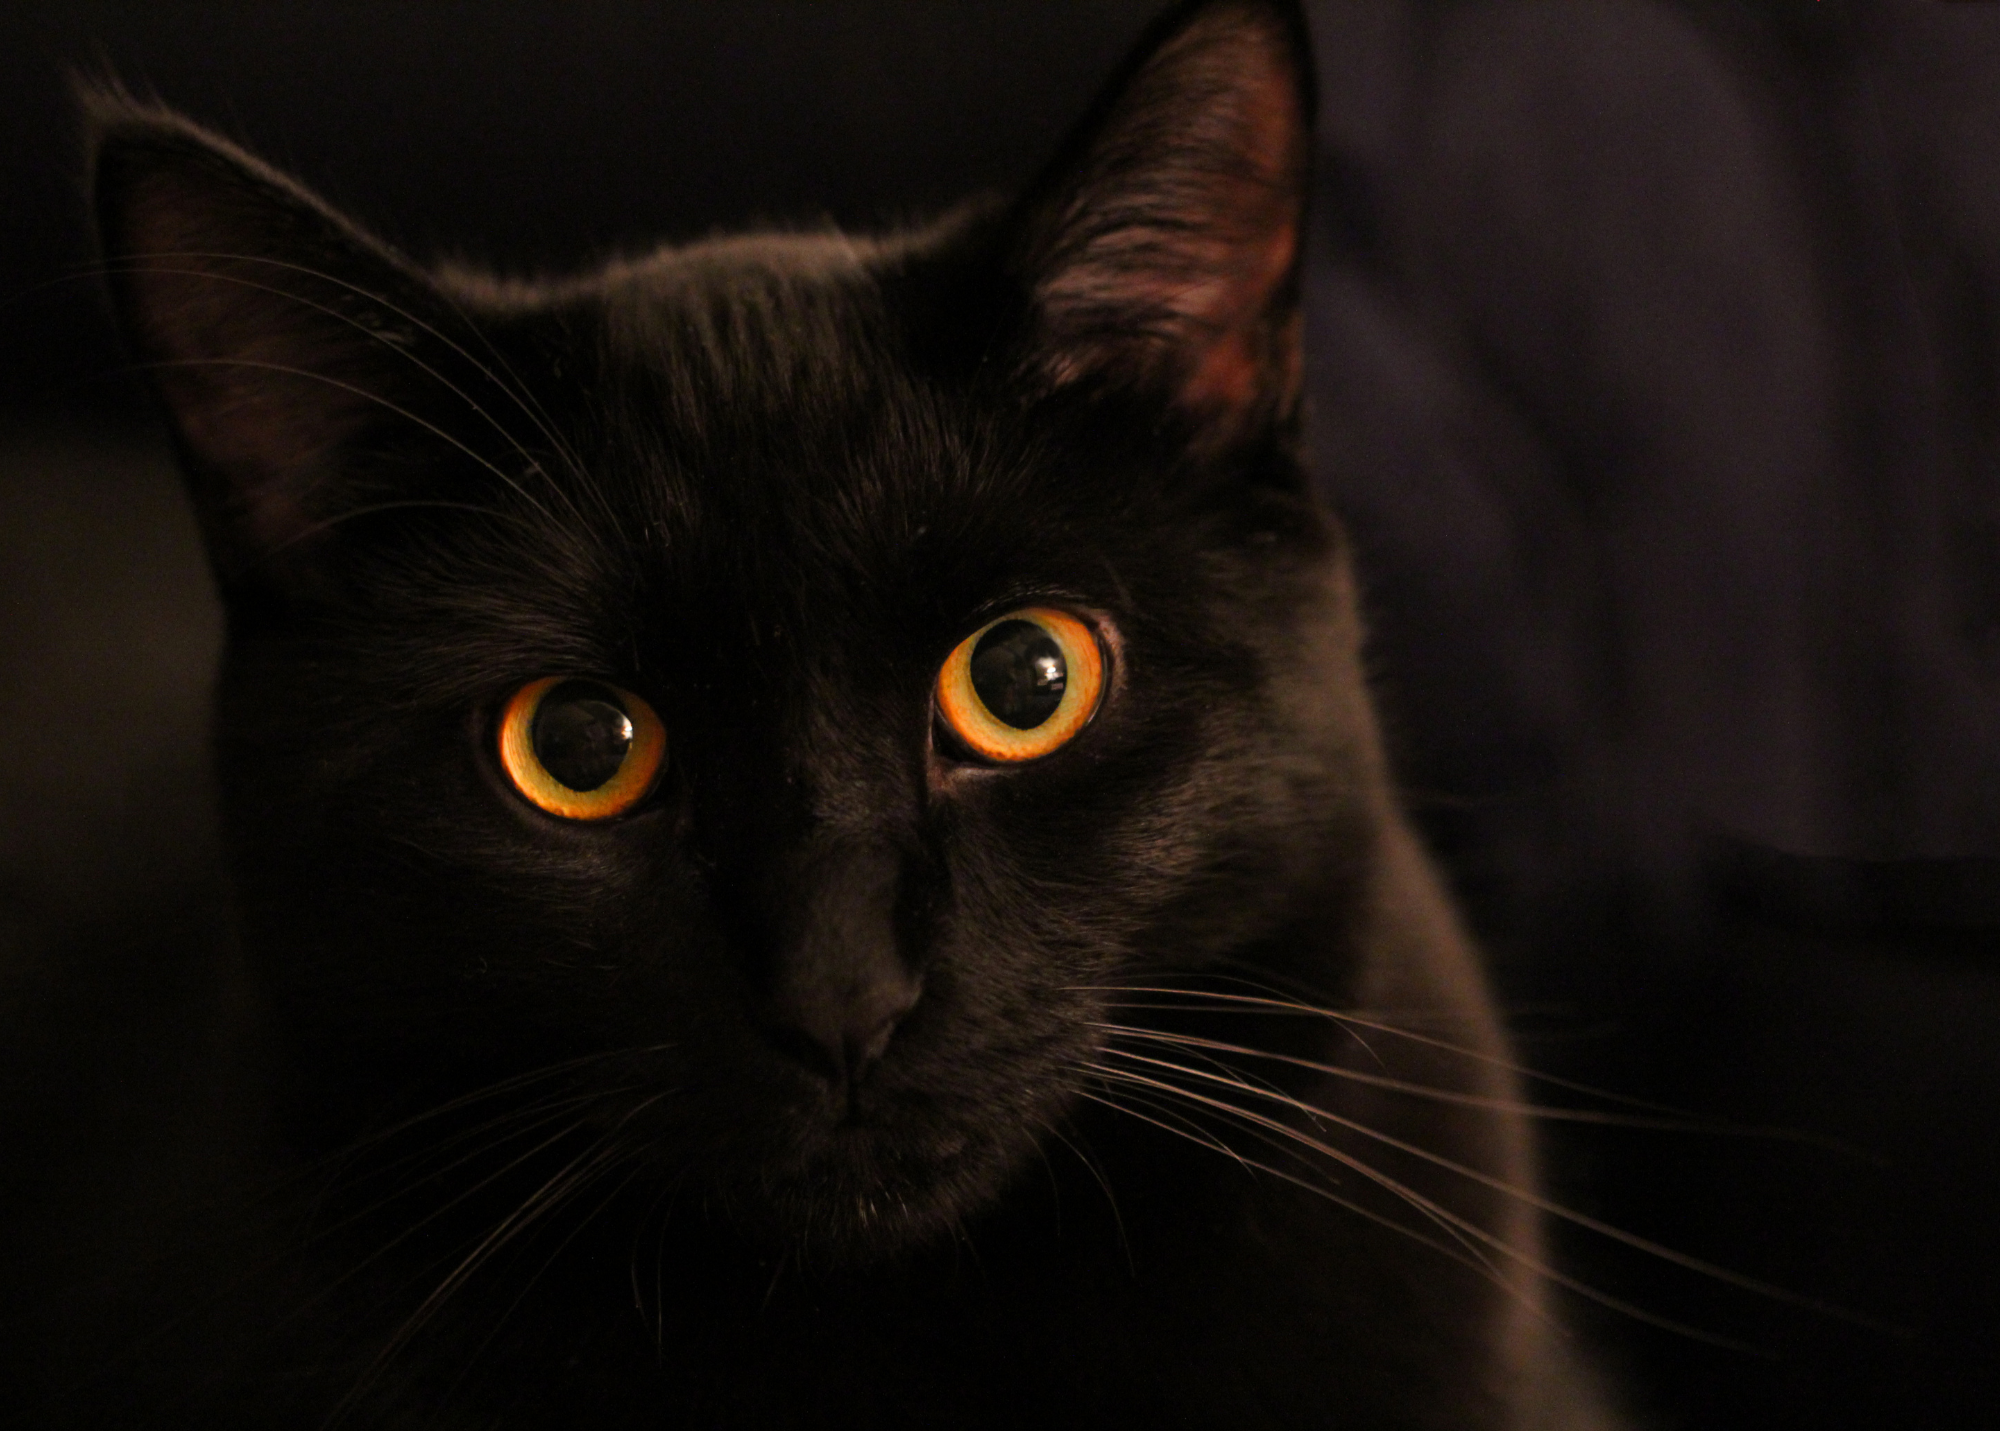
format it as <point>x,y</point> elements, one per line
<point>1018,672</point>
<point>581,734</point>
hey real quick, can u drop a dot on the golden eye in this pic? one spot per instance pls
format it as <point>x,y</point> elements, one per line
<point>1019,687</point>
<point>583,750</point>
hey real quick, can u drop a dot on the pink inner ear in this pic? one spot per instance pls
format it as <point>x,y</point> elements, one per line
<point>232,362</point>
<point>1237,363</point>
<point>1206,156</point>
<point>263,446</point>
<point>1258,249</point>
<point>258,393</point>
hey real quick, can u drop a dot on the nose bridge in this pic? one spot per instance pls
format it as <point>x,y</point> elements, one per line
<point>810,827</point>
<point>823,741</point>
<point>777,794</point>
<point>838,893</point>
<point>839,980</point>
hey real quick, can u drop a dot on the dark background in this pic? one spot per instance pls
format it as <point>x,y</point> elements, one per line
<point>1656,366</point>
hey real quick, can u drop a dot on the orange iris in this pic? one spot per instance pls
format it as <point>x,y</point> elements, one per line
<point>581,749</point>
<point>1020,687</point>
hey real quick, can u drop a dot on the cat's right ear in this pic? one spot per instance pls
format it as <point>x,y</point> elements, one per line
<point>280,338</point>
<point>1161,249</point>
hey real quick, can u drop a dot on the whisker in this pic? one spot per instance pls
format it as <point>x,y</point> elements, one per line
<point>1097,1175</point>
<point>1049,1168</point>
<point>1316,1189</point>
<point>1500,1185</point>
<point>638,1236</point>
<point>569,1129</point>
<point>1470,1250</point>
<point>1184,1126</point>
<point>540,1115</point>
<point>1540,1203</point>
<point>660,1266</point>
<point>524,398</point>
<point>1197,1133</point>
<point>1283,1006</point>
<point>375,508</point>
<point>130,263</point>
<point>1204,1049</point>
<point>777,1276</point>
<point>548,1196</point>
<point>1299,996</point>
<point>135,265</point>
<point>1445,1216</point>
<point>528,1120</point>
<point>1434,1211</point>
<point>213,1293</point>
<point>1471,1100</point>
<point>517,1080</point>
<point>478,1095</point>
<point>529,1285</point>
<point>558,1188</point>
<point>376,398</point>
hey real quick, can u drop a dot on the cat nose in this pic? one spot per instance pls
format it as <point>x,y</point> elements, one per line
<point>841,1029</point>
<point>838,983</point>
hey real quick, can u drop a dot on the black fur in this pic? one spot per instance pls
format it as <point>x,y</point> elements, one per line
<point>529,1133</point>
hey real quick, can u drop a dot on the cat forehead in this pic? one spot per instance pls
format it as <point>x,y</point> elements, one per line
<point>751,428</point>
<point>744,374</point>
<point>730,258</point>
<point>782,308</point>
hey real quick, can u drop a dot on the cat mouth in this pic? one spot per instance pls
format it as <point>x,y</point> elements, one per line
<point>865,1188</point>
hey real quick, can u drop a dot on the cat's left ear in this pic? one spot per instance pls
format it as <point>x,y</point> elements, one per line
<point>1161,249</point>
<point>285,343</point>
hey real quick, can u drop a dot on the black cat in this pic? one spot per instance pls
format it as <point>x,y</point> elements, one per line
<point>808,838</point>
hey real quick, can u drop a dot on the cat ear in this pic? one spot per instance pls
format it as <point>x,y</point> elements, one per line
<point>1162,247</point>
<point>280,337</point>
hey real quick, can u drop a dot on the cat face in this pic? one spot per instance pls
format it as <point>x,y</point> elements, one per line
<point>958,594</point>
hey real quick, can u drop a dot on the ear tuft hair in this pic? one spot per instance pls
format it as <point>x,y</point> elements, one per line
<point>1163,246</point>
<point>277,334</point>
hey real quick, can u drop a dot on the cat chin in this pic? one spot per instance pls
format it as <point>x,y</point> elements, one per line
<point>862,1195</point>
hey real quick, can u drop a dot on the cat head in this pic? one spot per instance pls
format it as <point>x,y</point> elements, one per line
<point>783,680</point>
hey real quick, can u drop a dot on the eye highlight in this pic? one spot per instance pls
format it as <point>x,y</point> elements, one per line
<point>1020,687</point>
<point>583,750</point>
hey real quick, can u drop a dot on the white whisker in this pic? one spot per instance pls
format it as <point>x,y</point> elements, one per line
<point>1441,1095</point>
<point>1316,1189</point>
<point>145,263</point>
<point>1523,1195</point>
<point>376,398</point>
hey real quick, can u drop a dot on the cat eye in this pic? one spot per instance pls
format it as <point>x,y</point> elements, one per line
<point>1021,687</point>
<point>583,750</point>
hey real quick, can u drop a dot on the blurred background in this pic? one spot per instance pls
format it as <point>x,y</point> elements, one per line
<point>1655,365</point>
